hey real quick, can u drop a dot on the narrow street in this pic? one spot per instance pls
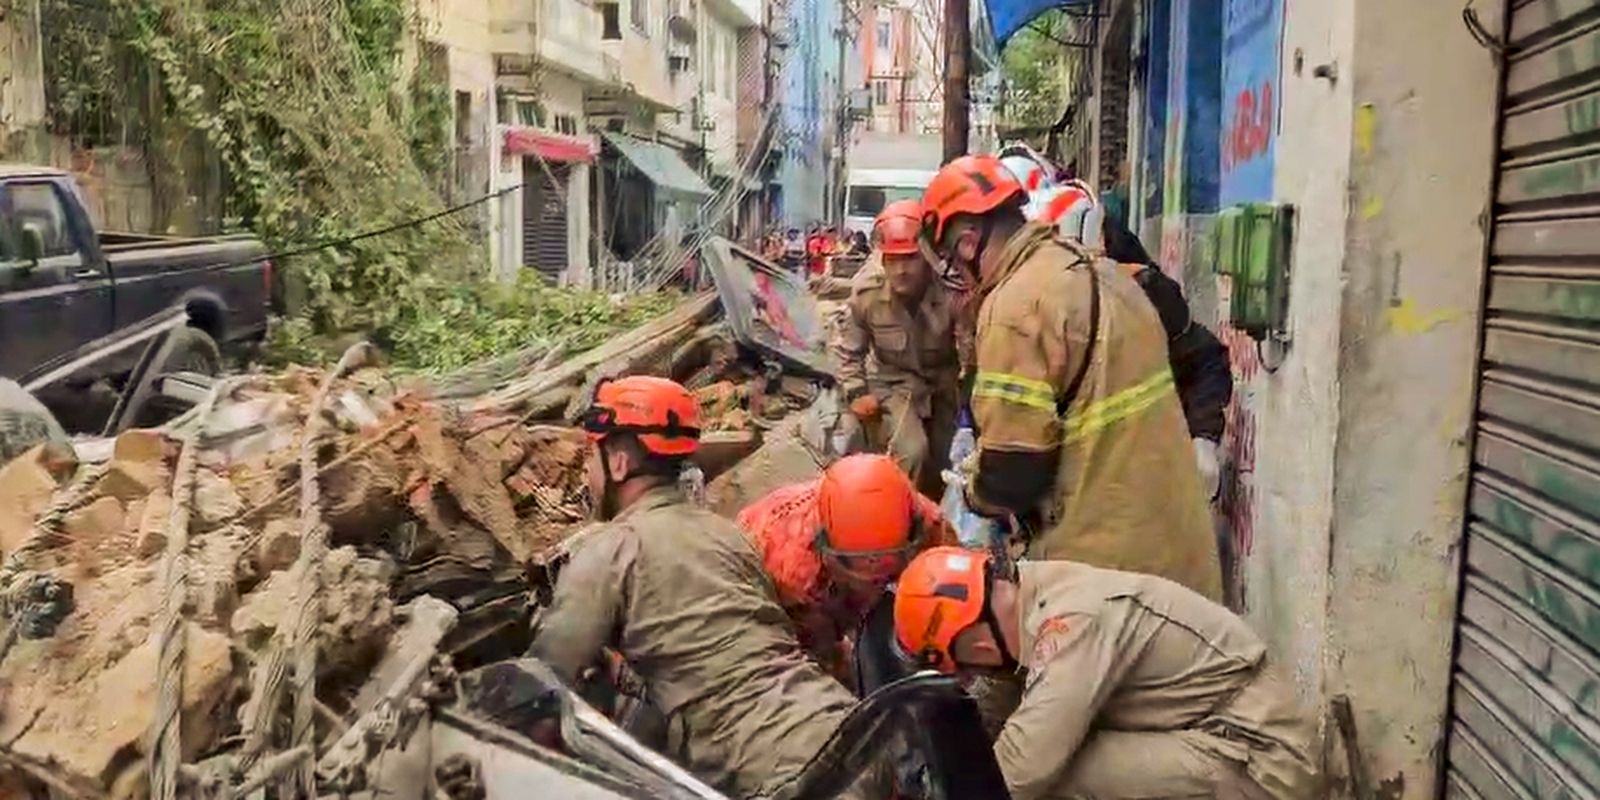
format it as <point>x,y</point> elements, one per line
<point>913,399</point>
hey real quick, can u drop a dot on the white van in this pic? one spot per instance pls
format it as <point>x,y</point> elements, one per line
<point>869,190</point>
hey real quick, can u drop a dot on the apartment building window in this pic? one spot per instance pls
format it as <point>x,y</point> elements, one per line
<point>639,15</point>
<point>463,119</point>
<point>884,33</point>
<point>880,92</point>
<point>567,124</point>
<point>610,22</point>
<point>529,112</point>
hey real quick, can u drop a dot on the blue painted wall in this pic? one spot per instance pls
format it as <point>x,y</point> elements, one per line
<point>1252,51</point>
<point>807,87</point>
<point>1194,91</point>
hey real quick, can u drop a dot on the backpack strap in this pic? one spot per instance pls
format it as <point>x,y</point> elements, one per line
<point>1065,401</point>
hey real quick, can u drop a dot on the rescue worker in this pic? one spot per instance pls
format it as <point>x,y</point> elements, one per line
<point>1199,360</point>
<point>833,544</point>
<point>1135,686</point>
<point>1081,434</point>
<point>680,594</point>
<point>902,316</point>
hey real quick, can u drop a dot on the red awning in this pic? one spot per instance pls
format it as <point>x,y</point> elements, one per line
<point>526,141</point>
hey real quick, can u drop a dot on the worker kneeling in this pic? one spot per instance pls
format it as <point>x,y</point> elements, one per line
<point>833,545</point>
<point>679,592</point>
<point>1135,686</point>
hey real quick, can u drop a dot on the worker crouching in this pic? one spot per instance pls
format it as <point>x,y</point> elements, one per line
<point>1135,687</point>
<point>896,349</point>
<point>833,545</point>
<point>680,593</point>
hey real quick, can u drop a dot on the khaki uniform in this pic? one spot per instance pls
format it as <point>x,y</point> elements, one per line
<point>1127,492</point>
<point>681,594</point>
<point>907,358</point>
<point>1138,687</point>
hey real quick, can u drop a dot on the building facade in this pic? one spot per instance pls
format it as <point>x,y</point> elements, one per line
<point>1409,509</point>
<point>602,130</point>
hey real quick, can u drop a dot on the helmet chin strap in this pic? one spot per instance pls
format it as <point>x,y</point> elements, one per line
<point>1008,662</point>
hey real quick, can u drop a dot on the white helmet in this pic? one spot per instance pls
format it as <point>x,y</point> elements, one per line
<point>1071,205</point>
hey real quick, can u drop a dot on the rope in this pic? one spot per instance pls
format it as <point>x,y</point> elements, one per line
<point>308,597</point>
<point>163,748</point>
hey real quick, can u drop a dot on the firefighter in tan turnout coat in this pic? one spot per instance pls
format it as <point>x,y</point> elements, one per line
<point>1081,433</point>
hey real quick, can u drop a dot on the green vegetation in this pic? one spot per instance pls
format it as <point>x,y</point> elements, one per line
<point>1032,66</point>
<point>324,130</point>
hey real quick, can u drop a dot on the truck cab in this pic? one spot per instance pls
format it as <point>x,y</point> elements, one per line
<point>64,286</point>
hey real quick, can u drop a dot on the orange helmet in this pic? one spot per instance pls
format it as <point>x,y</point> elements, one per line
<point>941,593</point>
<point>896,229</point>
<point>968,185</point>
<point>865,506</point>
<point>661,413</point>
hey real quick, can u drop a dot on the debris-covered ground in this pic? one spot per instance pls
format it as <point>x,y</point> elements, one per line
<point>455,490</point>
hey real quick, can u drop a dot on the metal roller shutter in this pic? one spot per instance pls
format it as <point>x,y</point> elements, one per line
<point>544,217</point>
<point>1526,686</point>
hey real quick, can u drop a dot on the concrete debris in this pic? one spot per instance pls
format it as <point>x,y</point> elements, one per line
<point>440,508</point>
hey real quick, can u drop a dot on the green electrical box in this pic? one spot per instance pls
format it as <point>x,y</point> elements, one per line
<point>1253,246</point>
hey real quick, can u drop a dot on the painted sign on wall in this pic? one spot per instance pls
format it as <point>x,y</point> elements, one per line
<point>1251,51</point>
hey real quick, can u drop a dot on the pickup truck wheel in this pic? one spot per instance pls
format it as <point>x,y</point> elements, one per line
<point>186,350</point>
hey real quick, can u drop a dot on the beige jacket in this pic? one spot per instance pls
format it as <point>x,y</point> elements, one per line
<point>1118,651</point>
<point>885,348</point>
<point>1127,491</point>
<point>682,595</point>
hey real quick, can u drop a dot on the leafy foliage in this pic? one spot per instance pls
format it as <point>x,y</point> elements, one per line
<point>467,323</point>
<point>1032,66</point>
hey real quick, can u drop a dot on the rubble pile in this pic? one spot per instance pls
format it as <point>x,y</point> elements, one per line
<point>421,499</point>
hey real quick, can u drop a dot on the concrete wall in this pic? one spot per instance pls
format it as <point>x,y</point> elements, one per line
<point>1349,449</point>
<point>1423,125</point>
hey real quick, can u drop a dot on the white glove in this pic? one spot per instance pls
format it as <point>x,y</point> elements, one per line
<point>1205,454</point>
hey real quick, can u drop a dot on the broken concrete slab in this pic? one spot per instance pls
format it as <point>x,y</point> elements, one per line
<point>27,484</point>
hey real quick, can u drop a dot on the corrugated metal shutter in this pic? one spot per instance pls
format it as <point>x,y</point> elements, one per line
<point>544,217</point>
<point>1526,691</point>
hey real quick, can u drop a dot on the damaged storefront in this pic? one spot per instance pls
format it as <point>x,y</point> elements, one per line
<point>650,198</point>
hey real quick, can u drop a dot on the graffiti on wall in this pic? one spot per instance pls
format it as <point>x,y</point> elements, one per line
<point>1251,50</point>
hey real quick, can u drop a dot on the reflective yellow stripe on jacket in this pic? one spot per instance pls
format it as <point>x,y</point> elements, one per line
<point>1015,389</point>
<point>1108,411</point>
<point>1096,416</point>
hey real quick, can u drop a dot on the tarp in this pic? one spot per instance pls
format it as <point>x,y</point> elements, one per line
<point>1009,16</point>
<point>521,140</point>
<point>660,164</point>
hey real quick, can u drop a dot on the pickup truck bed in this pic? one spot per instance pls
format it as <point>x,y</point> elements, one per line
<point>82,285</point>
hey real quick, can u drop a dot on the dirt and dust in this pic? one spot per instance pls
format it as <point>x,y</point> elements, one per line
<point>420,496</point>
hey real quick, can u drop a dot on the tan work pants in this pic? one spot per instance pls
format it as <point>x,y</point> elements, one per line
<point>1166,764</point>
<point>920,445</point>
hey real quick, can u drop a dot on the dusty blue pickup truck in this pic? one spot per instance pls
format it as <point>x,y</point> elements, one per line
<point>64,285</point>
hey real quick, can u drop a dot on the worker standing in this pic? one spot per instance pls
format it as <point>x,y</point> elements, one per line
<point>1136,687</point>
<point>1199,360</point>
<point>896,349</point>
<point>833,545</point>
<point>681,595</point>
<point>1081,434</point>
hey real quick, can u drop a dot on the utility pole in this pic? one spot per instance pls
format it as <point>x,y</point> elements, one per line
<point>841,126</point>
<point>957,89</point>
